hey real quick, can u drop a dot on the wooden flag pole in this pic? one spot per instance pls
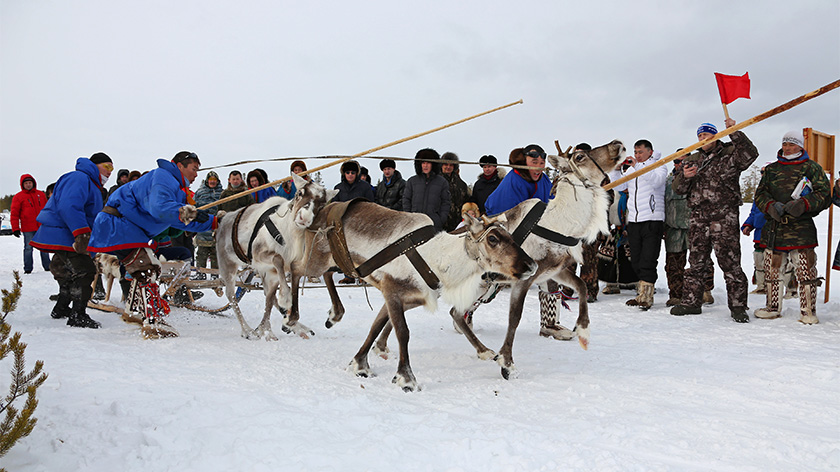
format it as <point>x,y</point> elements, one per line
<point>727,132</point>
<point>725,110</point>
<point>340,161</point>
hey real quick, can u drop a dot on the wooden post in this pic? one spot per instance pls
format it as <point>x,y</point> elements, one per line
<point>727,132</point>
<point>820,147</point>
<point>340,161</point>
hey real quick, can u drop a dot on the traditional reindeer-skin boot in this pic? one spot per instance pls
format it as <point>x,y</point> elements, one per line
<point>646,293</point>
<point>806,274</point>
<point>773,305</point>
<point>758,260</point>
<point>611,289</point>
<point>708,298</point>
<point>549,328</point>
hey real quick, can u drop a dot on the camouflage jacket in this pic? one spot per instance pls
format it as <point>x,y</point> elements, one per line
<point>779,180</point>
<point>676,206</point>
<point>716,190</point>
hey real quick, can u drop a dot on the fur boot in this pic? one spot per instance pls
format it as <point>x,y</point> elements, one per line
<point>644,299</point>
<point>772,265</point>
<point>708,298</point>
<point>758,260</point>
<point>805,261</point>
<point>611,289</point>
<point>549,328</point>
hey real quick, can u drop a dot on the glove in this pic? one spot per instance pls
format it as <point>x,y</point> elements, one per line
<point>16,233</point>
<point>187,213</point>
<point>80,244</point>
<point>202,216</point>
<point>776,210</point>
<point>795,208</point>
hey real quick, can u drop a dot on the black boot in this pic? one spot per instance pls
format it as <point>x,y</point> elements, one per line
<point>181,297</point>
<point>62,306</point>
<point>79,318</point>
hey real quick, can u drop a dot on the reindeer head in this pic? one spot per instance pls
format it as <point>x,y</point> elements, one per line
<point>591,166</point>
<point>489,243</point>
<point>309,200</point>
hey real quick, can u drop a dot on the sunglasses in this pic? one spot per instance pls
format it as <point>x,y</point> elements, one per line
<point>107,166</point>
<point>537,154</point>
<point>349,171</point>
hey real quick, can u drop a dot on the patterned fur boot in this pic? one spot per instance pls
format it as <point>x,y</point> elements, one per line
<point>758,260</point>
<point>806,273</point>
<point>549,328</point>
<point>772,265</point>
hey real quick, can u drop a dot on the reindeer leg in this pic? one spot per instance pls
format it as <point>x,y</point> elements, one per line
<point>272,281</point>
<point>227,272</point>
<point>404,377</point>
<point>381,346</point>
<point>291,318</point>
<point>582,323</point>
<point>484,353</point>
<point>517,300</point>
<point>336,312</point>
<point>359,365</point>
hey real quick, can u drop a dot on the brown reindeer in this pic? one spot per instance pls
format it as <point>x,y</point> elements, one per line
<point>456,262</point>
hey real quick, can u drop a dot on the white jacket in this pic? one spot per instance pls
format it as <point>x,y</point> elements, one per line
<point>646,194</point>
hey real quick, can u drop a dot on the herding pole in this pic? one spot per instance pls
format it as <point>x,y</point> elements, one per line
<point>340,161</point>
<point>727,132</point>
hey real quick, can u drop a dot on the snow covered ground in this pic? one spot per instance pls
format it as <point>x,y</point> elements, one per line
<point>653,392</point>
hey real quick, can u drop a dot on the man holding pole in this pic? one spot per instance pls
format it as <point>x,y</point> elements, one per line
<point>710,178</point>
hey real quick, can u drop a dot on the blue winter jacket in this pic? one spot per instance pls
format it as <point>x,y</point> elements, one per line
<point>264,194</point>
<point>756,220</point>
<point>513,190</point>
<point>75,202</point>
<point>148,205</point>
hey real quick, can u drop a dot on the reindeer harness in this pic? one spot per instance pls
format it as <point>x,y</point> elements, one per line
<point>529,225</point>
<point>406,245</point>
<point>263,220</point>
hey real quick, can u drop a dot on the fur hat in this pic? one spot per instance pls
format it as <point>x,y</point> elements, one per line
<point>488,159</point>
<point>212,175</point>
<point>297,164</point>
<point>259,174</point>
<point>451,156</point>
<point>350,165</point>
<point>517,157</point>
<point>100,158</point>
<point>387,163</point>
<point>428,155</point>
<point>706,128</point>
<point>469,206</point>
<point>794,137</point>
<point>134,175</point>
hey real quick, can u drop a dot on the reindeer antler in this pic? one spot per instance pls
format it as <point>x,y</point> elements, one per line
<point>560,151</point>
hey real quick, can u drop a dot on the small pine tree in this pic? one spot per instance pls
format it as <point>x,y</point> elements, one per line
<point>17,424</point>
<point>316,177</point>
<point>749,183</point>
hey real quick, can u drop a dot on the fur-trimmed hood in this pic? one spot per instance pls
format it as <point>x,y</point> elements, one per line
<point>451,156</point>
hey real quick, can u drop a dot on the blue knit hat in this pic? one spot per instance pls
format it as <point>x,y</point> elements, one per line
<point>706,128</point>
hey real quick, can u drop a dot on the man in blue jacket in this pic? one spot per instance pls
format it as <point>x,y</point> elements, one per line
<point>138,212</point>
<point>66,223</point>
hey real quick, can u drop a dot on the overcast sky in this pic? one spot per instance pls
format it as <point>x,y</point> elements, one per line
<point>258,80</point>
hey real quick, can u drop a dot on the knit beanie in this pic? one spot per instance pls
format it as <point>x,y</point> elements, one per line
<point>794,137</point>
<point>706,128</point>
<point>100,158</point>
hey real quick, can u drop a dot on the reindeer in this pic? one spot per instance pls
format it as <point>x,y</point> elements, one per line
<point>578,211</point>
<point>269,237</point>
<point>449,266</point>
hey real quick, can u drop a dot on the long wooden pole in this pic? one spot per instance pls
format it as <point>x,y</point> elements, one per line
<point>727,132</point>
<point>340,161</point>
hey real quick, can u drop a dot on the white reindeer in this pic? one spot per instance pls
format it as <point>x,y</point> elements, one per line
<point>244,239</point>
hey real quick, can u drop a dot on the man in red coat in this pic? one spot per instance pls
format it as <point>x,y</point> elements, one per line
<point>26,205</point>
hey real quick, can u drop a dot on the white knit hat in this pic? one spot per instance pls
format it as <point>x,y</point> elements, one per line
<point>794,137</point>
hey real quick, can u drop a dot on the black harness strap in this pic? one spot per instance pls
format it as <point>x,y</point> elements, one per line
<point>272,230</point>
<point>406,245</point>
<point>529,225</point>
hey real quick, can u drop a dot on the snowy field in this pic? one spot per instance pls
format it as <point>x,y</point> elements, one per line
<point>653,392</point>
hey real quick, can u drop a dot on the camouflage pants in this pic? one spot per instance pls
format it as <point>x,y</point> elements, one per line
<point>675,271</point>
<point>722,236</point>
<point>74,273</point>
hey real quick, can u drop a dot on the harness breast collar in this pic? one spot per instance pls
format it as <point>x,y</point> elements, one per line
<point>263,220</point>
<point>406,245</point>
<point>529,225</point>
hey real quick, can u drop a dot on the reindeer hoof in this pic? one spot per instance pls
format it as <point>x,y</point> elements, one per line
<point>329,324</point>
<point>487,355</point>
<point>359,371</point>
<point>405,385</point>
<point>250,335</point>
<point>583,337</point>
<point>381,352</point>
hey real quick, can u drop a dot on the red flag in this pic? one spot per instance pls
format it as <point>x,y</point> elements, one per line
<point>732,87</point>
